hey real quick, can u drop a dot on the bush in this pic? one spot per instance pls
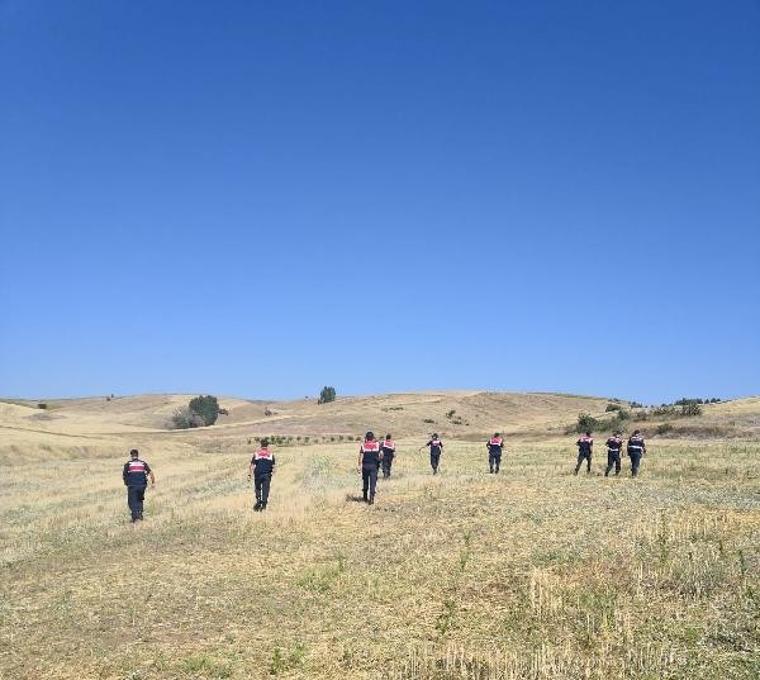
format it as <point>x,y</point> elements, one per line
<point>42,405</point>
<point>200,412</point>
<point>691,408</point>
<point>206,408</point>
<point>665,410</point>
<point>327,395</point>
<point>184,419</point>
<point>586,423</point>
<point>637,404</point>
<point>613,407</point>
<point>428,420</point>
<point>664,428</point>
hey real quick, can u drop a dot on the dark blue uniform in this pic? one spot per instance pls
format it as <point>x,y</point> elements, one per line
<point>436,448</point>
<point>614,445</point>
<point>263,462</point>
<point>636,449</point>
<point>135,476</point>
<point>388,450</point>
<point>370,455</point>
<point>495,448</point>
<point>585,448</point>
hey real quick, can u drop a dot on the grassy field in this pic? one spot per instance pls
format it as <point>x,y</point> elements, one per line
<point>533,573</point>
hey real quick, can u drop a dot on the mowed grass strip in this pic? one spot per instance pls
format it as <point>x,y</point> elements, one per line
<point>533,573</point>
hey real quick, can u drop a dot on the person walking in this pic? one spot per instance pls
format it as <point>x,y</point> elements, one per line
<point>436,449</point>
<point>495,446</point>
<point>262,469</point>
<point>387,453</point>
<point>614,445</point>
<point>369,455</point>
<point>136,474</point>
<point>585,450</point>
<point>636,448</point>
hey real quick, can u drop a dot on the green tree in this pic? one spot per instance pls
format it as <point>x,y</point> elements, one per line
<point>206,408</point>
<point>327,395</point>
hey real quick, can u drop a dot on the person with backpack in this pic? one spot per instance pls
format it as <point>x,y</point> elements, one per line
<point>585,450</point>
<point>387,454</point>
<point>436,449</point>
<point>614,445</point>
<point>369,457</point>
<point>262,469</point>
<point>495,446</point>
<point>636,448</point>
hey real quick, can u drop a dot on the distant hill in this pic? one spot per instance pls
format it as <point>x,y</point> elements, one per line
<point>97,425</point>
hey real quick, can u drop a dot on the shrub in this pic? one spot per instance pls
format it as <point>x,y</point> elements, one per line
<point>428,420</point>
<point>664,410</point>
<point>327,395</point>
<point>691,408</point>
<point>184,419</point>
<point>206,408</point>
<point>613,407</point>
<point>664,428</point>
<point>42,405</point>
<point>637,404</point>
<point>586,423</point>
<point>450,414</point>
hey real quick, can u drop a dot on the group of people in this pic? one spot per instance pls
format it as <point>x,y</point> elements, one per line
<point>375,456</point>
<point>635,448</point>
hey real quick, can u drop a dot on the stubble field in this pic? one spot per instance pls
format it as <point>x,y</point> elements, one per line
<point>533,573</point>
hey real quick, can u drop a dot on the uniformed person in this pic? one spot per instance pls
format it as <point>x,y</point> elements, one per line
<point>614,445</point>
<point>369,455</point>
<point>495,446</point>
<point>585,450</point>
<point>136,474</point>
<point>387,453</point>
<point>636,449</point>
<point>262,469</point>
<point>436,448</point>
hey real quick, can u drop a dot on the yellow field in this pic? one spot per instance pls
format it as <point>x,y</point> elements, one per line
<point>533,573</point>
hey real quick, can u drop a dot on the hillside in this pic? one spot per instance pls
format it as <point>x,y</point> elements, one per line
<point>94,426</point>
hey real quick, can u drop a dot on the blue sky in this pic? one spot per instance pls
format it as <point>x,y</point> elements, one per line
<point>259,199</point>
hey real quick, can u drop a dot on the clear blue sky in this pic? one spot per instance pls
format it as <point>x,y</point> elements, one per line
<point>260,198</point>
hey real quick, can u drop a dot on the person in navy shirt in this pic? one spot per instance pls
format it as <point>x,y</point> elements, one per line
<point>585,450</point>
<point>136,474</point>
<point>495,446</point>
<point>436,449</point>
<point>636,449</point>
<point>387,453</point>
<point>614,444</point>
<point>369,456</point>
<point>262,469</point>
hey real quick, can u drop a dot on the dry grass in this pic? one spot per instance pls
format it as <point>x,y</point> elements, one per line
<point>531,574</point>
